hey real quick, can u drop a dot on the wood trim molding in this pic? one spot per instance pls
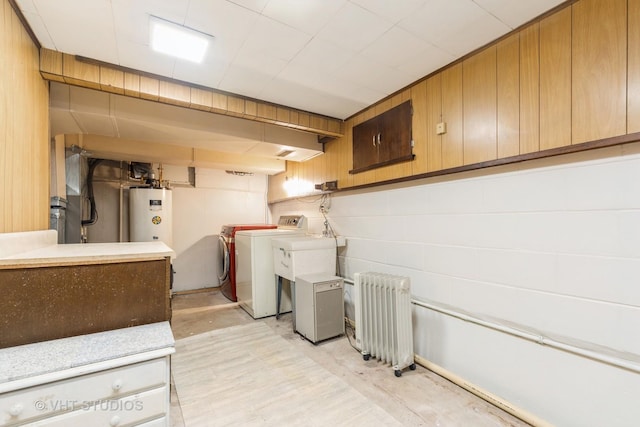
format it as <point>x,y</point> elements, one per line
<point>589,145</point>
<point>93,74</point>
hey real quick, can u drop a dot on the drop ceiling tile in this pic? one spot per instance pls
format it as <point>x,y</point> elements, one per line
<point>367,97</point>
<point>27,6</point>
<point>39,29</point>
<point>272,150</point>
<point>279,135</point>
<point>323,55</point>
<point>244,81</point>
<point>259,61</point>
<point>95,124</point>
<point>275,39</point>
<point>515,14</point>
<point>391,80</point>
<point>309,98</point>
<point>89,101</point>
<point>482,31</point>
<point>222,19</point>
<point>91,19</point>
<point>140,57</point>
<point>457,26</point>
<point>174,10</point>
<point>308,16</point>
<point>62,121</point>
<point>346,29</point>
<point>429,58</point>
<point>131,19</point>
<point>392,11</point>
<point>373,74</point>
<point>317,83</point>
<point>255,5</point>
<point>394,47</point>
<point>209,74</point>
<point>267,150</point>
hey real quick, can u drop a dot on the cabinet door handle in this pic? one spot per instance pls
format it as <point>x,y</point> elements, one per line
<point>379,138</point>
<point>374,140</point>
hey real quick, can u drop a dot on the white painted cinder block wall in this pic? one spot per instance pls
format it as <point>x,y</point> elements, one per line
<point>551,247</point>
<point>198,215</point>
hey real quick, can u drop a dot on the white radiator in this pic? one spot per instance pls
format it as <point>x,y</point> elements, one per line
<point>383,319</point>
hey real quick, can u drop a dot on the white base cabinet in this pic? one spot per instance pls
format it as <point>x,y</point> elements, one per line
<point>130,390</point>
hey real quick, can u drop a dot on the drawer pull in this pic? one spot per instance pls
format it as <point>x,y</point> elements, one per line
<point>16,409</point>
<point>115,420</point>
<point>117,385</point>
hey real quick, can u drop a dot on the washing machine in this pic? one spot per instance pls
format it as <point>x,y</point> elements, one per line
<point>227,255</point>
<point>256,284</point>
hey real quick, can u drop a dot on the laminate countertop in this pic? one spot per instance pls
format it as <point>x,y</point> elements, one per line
<point>20,363</point>
<point>41,248</point>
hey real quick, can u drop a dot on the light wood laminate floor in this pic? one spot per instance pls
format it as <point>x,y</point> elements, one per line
<point>417,398</point>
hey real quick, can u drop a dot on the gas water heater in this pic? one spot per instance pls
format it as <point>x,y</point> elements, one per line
<point>150,215</point>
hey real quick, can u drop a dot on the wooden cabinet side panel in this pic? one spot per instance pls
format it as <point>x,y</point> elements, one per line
<point>633,79</point>
<point>343,149</point>
<point>452,154</point>
<point>555,80</point>
<point>599,56</point>
<point>47,303</point>
<point>508,102</point>
<point>434,116</point>
<point>420,128</point>
<point>530,89</point>
<point>479,107</point>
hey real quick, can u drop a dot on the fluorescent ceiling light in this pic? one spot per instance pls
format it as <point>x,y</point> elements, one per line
<point>177,40</point>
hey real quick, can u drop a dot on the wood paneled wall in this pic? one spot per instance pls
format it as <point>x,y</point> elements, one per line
<point>569,80</point>
<point>24,130</point>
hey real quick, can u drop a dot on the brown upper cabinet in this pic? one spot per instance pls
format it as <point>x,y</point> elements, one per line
<point>383,140</point>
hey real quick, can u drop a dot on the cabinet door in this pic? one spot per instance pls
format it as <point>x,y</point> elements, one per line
<point>394,137</point>
<point>383,140</point>
<point>365,147</point>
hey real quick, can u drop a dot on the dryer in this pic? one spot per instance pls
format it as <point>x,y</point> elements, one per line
<point>227,256</point>
<point>256,288</point>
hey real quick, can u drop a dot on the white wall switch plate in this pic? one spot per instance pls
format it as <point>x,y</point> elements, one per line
<point>441,128</point>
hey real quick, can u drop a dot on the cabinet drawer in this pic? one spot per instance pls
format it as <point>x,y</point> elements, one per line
<point>160,422</point>
<point>132,410</point>
<point>67,395</point>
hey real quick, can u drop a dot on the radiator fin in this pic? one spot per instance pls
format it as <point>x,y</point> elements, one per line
<point>384,329</point>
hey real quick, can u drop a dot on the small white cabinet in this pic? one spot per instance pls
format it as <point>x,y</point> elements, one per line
<point>131,389</point>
